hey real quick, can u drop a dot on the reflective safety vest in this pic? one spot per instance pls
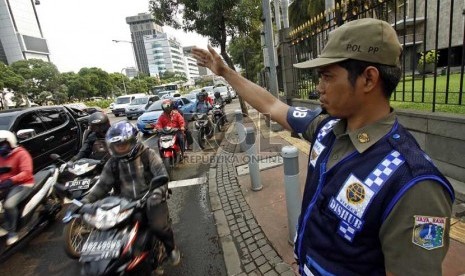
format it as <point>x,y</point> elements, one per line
<point>344,207</point>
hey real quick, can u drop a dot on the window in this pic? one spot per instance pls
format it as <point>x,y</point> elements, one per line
<point>31,121</point>
<point>53,118</point>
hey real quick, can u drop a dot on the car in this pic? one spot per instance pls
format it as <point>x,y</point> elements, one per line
<point>193,94</point>
<point>224,93</point>
<point>233,92</point>
<point>148,119</point>
<point>93,109</point>
<point>44,130</point>
<point>139,105</point>
<point>111,106</point>
<point>85,108</point>
<point>123,101</point>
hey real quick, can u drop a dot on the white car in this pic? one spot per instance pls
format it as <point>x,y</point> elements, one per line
<point>224,93</point>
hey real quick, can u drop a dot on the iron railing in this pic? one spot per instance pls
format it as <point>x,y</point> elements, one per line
<point>422,26</point>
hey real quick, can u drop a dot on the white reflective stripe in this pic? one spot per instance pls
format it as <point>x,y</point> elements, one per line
<point>307,271</point>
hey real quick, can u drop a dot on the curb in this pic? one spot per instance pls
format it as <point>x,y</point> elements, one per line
<point>246,249</point>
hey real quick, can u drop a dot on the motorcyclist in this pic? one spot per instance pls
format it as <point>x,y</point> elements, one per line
<point>176,106</point>
<point>132,169</point>
<point>94,146</point>
<point>172,118</point>
<point>16,184</point>
<point>203,105</point>
<point>219,101</point>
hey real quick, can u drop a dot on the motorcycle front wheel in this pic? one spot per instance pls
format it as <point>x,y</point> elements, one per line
<point>75,235</point>
<point>169,165</point>
<point>201,138</point>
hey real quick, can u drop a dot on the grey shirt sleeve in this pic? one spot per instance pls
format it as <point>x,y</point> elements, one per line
<point>401,255</point>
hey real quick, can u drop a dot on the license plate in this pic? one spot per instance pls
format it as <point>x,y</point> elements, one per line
<point>148,126</point>
<point>76,185</point>
<point>101,249</point>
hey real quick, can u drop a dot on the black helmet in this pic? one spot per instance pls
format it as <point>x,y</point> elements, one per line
<point>122,139</point>
<point>202,95</point>
<point>167,105</point>
<point>99,123</point>
<point>217,94</point>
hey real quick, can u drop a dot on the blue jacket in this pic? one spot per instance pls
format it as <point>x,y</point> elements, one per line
<point>352,199</point>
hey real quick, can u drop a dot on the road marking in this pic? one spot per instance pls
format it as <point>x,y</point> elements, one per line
<point>187,182</point>
<point>264,163</point>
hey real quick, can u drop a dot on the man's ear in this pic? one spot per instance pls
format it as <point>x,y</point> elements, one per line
<point>371,78</point>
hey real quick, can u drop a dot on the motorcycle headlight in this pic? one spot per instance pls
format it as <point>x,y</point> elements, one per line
<point>80,169</point>
<point>106,219</point>
<point>168,142</point>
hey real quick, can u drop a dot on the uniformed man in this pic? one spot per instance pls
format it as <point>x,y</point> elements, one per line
<point>374,203</point>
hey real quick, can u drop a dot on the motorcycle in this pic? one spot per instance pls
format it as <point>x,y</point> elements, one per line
<point>204,128</point>
<point>218,117</point>
<point>120,242</point>
<point>168,145</point>
<point>74,183</point>
<point>39,209</point>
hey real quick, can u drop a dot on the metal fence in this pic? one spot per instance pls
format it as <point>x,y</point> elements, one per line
<point>431,31</point>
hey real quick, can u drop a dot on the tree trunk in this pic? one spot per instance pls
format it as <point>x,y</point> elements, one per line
<point>224,54</point>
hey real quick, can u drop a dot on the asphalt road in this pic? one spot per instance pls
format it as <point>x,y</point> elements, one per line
<point>193,224</point>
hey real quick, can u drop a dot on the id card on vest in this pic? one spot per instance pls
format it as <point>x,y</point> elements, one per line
<point>317,149</point>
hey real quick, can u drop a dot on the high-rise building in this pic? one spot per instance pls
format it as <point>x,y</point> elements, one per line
<point>164,53</point>
<point>21,36</point>
<point>191,64</point>
<point>141,25</point>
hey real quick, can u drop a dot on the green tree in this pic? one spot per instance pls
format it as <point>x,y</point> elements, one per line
<point>246,51</point>
<point>300,11</point>
<point>119,82</point>
<point>98,82</point>
<point>218,20</point>
<point>9,80</point>
<point>38,76</point>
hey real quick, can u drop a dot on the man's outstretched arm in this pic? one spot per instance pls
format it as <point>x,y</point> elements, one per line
<point>252,93</point>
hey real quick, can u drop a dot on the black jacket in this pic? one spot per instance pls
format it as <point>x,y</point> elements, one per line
<point>132,180</point>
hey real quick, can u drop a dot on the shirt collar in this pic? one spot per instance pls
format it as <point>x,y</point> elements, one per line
<point>367,136</point>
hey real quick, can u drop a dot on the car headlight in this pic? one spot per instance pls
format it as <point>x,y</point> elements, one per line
<point>106,219</point>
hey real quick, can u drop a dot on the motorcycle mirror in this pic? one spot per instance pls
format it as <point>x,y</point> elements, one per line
<point>54,156</point>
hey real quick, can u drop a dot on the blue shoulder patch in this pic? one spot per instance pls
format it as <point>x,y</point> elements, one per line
<point>299,118</point>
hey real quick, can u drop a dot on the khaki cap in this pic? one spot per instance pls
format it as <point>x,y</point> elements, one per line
<point>367,39</point>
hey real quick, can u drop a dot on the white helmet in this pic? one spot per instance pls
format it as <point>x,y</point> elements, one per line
<point>6,135</point>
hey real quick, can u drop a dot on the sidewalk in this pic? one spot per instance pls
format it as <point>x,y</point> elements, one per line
<point>253,225</point>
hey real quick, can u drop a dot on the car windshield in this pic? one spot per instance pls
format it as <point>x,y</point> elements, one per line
<point>5,122</point>
<point>191,96</point>
<point>123,100</point>
<point>139,101</point>
<point>156,106</point>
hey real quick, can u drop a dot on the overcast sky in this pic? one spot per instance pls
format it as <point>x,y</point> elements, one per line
<point>79,33</point>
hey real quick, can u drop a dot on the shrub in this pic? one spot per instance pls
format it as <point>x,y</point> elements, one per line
<point>430,57</point>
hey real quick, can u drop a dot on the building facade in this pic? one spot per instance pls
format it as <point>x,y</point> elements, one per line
<point>191,65</point>
<point>142,25</point>
<point>164,53</point>
<point>21,36</point>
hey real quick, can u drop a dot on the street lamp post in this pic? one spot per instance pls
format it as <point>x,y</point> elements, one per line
<point>124,84</point>
<point>133,50</point>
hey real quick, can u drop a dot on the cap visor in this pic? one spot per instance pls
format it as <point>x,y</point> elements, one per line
<point>318,62</point>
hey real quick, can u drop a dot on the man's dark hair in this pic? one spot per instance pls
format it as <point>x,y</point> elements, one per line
<point>390,75</point>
